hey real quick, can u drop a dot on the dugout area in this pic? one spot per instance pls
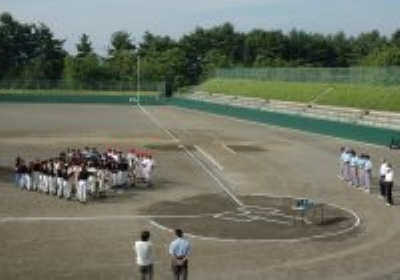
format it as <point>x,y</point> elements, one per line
<point>197,156</point>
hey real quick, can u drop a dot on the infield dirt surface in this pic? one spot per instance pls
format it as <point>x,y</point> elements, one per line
<point>229,184</point>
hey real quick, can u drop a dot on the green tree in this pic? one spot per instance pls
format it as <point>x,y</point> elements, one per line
<point>205,48</point>
<point>263,48</point>
<point>85,71</point>
<point>342,49</point>
<point>86,68</point>
<point>122,57</point>
<point>84,47</point>
<point>48,54</point>
<point>298,48</point>
<point>395,40</point>
<point>366,43</point>
<point>162,59</point>
<point>29,51</point>
<point>383,57</point>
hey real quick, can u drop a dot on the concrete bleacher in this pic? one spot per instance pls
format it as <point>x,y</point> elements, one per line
<point>381,119</point>
<point>285,106</point>
<point>334,113</point>
<point>343,114</point>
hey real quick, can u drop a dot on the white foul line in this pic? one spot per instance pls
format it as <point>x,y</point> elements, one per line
<point>202,165</point>
<point>99,218</point>
<point>227,148</point>
<point>209,157</point>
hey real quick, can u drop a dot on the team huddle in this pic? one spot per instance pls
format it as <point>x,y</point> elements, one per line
<point>76,173</point>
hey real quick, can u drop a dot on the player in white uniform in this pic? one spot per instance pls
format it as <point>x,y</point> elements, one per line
<point>36,175</point>
<point>147,169</point>
<point>47,178</point>
<point>52,180</point>
<point>361,171</point>
<point>102,180</point>
<point>345,164</point>
<point>139,167</point>
<point>354,169</point>
<point>132,162</point>
<point>82,184</point>
<point>60,179</point>
<point>367,173</point>
<point>68,175</point>
<point>24,178</point>
<point>92,179</point>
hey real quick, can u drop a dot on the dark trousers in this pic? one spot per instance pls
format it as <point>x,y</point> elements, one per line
<point>382,186</point>
<point>388,190</point>
<point>180,271</point>
<point>146,272</point>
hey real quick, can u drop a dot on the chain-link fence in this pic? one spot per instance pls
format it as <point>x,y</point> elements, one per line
<point>49,86</point>
<point>353,75</point>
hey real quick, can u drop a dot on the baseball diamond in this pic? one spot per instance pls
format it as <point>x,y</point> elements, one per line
<point>256,201</point>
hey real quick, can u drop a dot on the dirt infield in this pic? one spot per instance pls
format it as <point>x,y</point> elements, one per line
<point>262,218</point>
<point>229,184</point>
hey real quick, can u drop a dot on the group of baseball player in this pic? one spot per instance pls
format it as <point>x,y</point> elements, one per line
<point>77,173</point>
<point>356,169</point>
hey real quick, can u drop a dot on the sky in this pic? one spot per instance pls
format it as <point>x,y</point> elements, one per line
<point>69,19</point>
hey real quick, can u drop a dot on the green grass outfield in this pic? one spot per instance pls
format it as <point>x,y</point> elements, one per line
<point>368,97</point>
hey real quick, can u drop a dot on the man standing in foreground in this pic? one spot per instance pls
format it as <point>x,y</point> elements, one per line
<point>144,256</point>
<point>179,250</point>
<point>388,181</point>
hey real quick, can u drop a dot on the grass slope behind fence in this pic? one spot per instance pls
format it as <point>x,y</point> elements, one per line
<point>368,97</point>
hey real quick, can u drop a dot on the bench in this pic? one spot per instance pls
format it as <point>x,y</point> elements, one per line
<point>394,143</point>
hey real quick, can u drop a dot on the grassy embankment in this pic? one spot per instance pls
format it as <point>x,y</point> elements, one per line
<point>368,97</point>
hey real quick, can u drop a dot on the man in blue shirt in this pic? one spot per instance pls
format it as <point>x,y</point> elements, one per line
<point>179,249</point>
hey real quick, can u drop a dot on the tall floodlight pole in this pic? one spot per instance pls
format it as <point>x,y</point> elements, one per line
<point>138,77</point>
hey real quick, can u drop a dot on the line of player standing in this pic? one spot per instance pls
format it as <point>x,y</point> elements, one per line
<point>77,173</point>
<point>357,171</point>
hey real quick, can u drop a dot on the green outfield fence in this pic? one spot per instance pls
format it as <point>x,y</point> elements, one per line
<point>76,86</point>
<point>83,99</point>
<point>373,135</point>
<point>93,92</point>
<point>352,75</point>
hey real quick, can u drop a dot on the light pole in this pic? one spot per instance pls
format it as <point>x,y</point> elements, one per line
<point>138,77</point>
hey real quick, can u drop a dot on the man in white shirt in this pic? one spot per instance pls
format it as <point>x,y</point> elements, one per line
<point>388,181</point>
<point>144,256</point>
<point>382,172</point>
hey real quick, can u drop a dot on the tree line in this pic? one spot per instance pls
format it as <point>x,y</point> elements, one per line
<point>31,52</point>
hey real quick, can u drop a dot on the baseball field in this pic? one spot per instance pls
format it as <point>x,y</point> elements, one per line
<point>229,184</point>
